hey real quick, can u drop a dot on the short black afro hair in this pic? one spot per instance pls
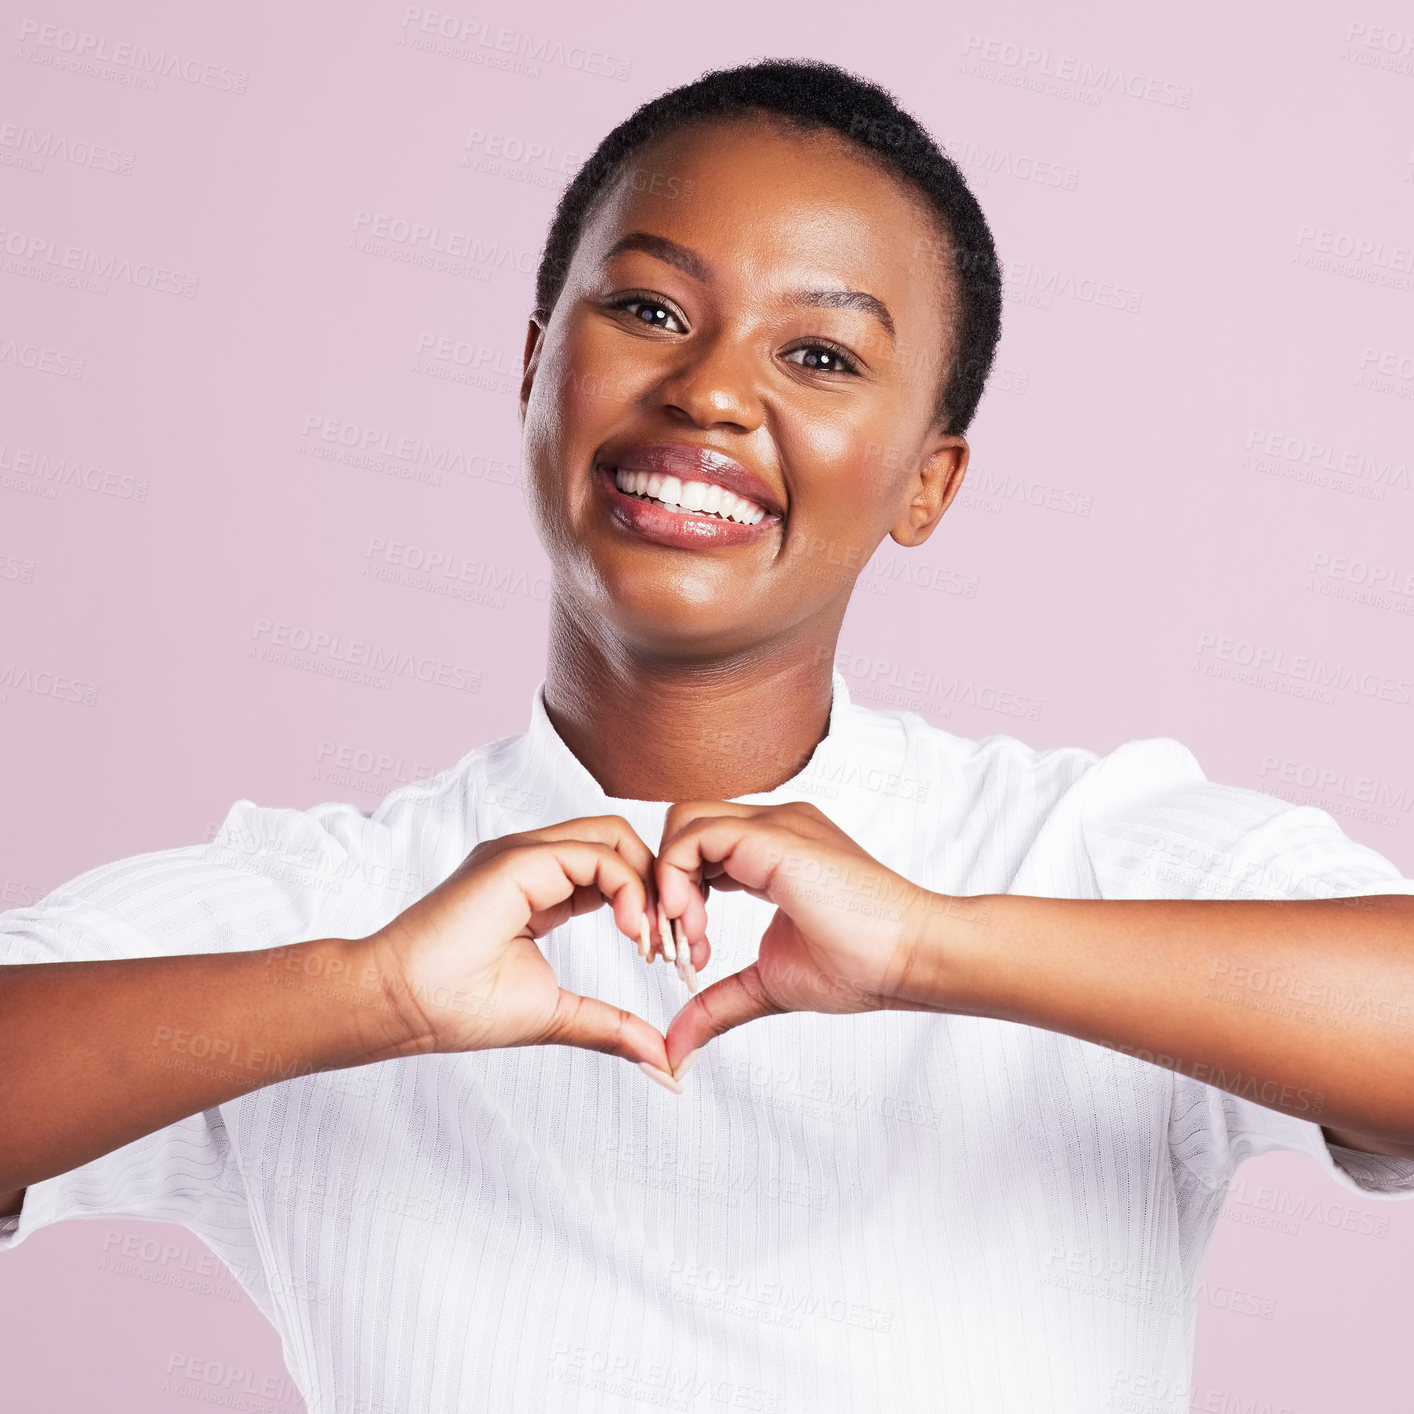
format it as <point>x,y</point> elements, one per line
<point>813,95</point>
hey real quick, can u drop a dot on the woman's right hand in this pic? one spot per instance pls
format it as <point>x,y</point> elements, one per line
<point>462,966</point>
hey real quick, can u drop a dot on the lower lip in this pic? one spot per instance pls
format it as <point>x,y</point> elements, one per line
<point>689,531</point>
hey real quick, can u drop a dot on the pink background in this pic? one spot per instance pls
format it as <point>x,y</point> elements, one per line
<point>1195,454</point>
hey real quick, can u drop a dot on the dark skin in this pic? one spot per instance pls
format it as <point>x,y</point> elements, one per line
<point>740,642</point>
<point>736,641</point>
<point>729,643</point>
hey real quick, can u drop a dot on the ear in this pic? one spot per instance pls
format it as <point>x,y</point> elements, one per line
<point>934,484</point>
<point>534,342</point>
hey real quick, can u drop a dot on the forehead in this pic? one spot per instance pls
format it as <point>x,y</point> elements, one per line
<point>770,207</point>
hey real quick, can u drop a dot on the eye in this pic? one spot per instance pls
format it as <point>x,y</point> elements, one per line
<point>824,358</point>
<point>649,311</point>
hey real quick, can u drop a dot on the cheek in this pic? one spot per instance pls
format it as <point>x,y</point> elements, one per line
<point>561,427</point>
<point>857,463</point>
<point>590,383</point>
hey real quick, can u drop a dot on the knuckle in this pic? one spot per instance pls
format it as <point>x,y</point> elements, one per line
<point>489,849</point>
<point>683,813</point>
<point>757,991</point>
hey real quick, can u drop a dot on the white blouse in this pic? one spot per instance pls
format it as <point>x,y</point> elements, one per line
<point>889,1212</point>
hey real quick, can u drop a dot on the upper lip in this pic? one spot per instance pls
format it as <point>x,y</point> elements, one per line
<point>690,463</point>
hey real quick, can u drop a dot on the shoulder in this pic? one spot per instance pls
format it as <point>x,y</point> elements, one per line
<point>299,863</point>
<point>1138,820</point>
<point>420,814</point>
<point>993,769</point>
<point>1154,825</point>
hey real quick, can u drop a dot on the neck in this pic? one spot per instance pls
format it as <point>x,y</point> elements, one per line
<point>651,729</point>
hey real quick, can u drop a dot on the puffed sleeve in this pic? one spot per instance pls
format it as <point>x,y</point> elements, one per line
<point>264,880</point>
<point>1155,827</point>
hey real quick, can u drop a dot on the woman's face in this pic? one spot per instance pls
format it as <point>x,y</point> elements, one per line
<point>754,322</point>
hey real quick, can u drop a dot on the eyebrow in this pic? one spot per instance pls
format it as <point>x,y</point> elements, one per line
<point>847,299</point>
<point>690,263</point>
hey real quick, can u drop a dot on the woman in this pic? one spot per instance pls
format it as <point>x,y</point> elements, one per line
<point>1016,1045</point>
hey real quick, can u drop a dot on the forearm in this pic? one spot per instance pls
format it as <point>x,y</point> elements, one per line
<point>1306,1006</point>
<point>96,1054</point>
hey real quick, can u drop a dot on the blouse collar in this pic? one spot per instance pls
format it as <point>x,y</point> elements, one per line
<point>557,779</point>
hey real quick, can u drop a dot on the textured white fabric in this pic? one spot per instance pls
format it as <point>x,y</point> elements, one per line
<point>891,1212</point>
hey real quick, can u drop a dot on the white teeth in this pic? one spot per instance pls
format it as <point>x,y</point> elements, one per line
<point>704,497</point>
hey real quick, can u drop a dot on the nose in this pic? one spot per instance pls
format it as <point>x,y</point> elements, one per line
<point>713,384</point>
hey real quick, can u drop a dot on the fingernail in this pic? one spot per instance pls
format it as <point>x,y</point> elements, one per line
<point>661,1076</point>
<point>686,970</point>
<point>665,930</point>
<point>645,945</point>
<point>686,1062</point>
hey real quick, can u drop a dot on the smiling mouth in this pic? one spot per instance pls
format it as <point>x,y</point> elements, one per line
<point>681,497</point>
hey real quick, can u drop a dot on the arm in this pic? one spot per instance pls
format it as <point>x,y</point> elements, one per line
<point>1305,1006</point>
<point>94,1055</point>
<point>97,1054</point>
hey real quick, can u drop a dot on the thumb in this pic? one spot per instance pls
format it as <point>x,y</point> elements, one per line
<point>596,1026</point>
<point>730,1002</point>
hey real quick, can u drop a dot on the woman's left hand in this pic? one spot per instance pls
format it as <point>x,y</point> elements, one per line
<point>848,935</point>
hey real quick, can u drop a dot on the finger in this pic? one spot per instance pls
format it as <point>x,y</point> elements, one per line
<point>680,815</point>
<point>612,830</point>
<point>596,1026</point>
<point>683,811</point>
<point>798,815</point>
<point>693,955</point>
<point>749,849</point>
<point>725,884</point>
<point>733,1001</point>
<point>585,898</point>
<point>552,873</point>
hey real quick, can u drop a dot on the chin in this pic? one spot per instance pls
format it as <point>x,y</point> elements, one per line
<point>648,617</point>
<point>681,632</point>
